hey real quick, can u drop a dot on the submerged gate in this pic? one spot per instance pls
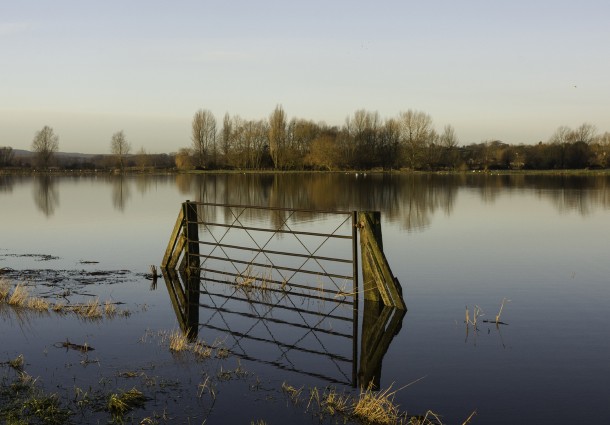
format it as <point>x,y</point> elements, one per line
<point>285,281</point>
<point>249,245</point>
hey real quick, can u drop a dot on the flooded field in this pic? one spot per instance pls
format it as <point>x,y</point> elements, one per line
<point>112,343</point>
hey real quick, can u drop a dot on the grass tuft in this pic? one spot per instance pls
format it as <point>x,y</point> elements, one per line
<point>19,296</point>
<point>89,310</point>
<point>109,309</point>
<point>5,288</point>
<point>121,403</point>
<point>38,304</point>
<point>178,341</point>
<point>377,407</point>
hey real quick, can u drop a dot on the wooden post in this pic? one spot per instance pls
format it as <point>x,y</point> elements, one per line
<point>192,236</point>
<point>379,283</point>
<point>173,247</point>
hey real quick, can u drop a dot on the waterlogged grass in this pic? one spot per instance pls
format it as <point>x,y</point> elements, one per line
<point>178,342</point>
<point>119,404</point>
<point>368,407</point>
<point>17,296</point>
<point>22,401</point>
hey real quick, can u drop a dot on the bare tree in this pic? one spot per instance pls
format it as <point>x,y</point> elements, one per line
<point>6,156</point>
<point>417,133</point>
<point>225,138</point>
<point>119,148</point>
<point>204,136</point>
<point>45,144</point>
<point>585,133</point>
<point>449,142</point>
<point>277,136</point>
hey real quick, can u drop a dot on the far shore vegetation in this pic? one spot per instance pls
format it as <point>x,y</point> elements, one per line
<point>365,142</point>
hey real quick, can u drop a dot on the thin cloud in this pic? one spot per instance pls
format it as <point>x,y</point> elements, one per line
<point>12,28</point>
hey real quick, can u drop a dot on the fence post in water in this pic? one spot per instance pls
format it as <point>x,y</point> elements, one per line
<point>192,236</point>
<point>379,283</point>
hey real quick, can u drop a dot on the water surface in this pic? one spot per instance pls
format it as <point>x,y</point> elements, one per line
<point>452,241</point>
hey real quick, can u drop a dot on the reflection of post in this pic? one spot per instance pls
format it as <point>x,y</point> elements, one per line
<point>379,326</point>
<point>192,236</point>
<point>185,300</point>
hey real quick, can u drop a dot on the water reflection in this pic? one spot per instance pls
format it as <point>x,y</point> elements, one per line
<point>120,192</point>
<point>6,183</point>
<point>46,195</point>
<point>409,200</point>
<point>289,331</point>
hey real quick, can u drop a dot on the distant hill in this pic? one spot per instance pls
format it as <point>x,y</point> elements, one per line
<point>21,153</point>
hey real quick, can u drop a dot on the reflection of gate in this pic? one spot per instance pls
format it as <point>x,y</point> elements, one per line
<point>279,292</point>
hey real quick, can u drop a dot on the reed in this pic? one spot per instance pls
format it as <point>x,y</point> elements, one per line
<point>38,304</point>
<point>5,288</point>
<point>121,403</point>
<point>504,300</point>
<point>109,309</point>
<point>19,296</point>
<point>178,341</point>
<point>293,393</point>
<point>89,310</point>
<point>377,407</point>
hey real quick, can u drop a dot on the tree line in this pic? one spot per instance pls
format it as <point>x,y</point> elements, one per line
<point>364,142</point>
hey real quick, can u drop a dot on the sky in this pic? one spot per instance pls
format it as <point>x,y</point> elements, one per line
<point>495,70</point>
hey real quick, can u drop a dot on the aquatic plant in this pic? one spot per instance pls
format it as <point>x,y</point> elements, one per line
<point>19,296</point>
<point>178,341</point>
<point>5,288</point>
<point>121,403</point>
<point>23,402</point>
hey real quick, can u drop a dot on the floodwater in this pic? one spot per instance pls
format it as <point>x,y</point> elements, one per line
<point>540,243</point>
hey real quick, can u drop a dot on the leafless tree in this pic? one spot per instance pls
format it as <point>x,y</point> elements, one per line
<point>119,148</point>
<point>6,156</point>
<point>277,137</point>
<point>45,144</point>
<point>204,137</point>
<point>417,133</point>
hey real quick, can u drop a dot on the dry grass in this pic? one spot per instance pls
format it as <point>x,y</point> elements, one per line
<point>109,309</point>
<point>59,307</point>
<point>377,407</point>
<point>89,310</point>
<point>5,288</point>
<point>38,304</point>
<point>178,341</point>
<point>369,407</point>
<point>119,404</point>
<point>19,296</point>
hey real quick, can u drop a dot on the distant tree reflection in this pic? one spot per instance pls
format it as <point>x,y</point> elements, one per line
<point>408,199</point>
<point>46,195</point>
<point>6,183</point>
<point>120,192</point>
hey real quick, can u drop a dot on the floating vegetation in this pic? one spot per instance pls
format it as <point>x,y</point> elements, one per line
<point>178,342</point>
<point>368,407</point>
<point>19,297</point>
<point>23,402</point>
<point>121,403</point>
<point>84,348</point>
<point>5,289</point>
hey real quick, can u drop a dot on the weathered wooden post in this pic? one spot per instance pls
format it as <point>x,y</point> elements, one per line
<point>379,283</point>
<point>192,237</point>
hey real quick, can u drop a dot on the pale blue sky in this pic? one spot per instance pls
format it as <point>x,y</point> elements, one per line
<point>508,70</point>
